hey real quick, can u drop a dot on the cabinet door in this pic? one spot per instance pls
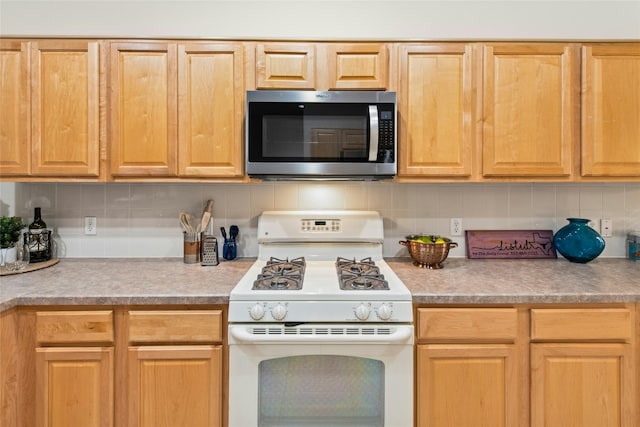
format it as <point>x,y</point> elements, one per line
<point>436,110</point>
<point>611,109</point>
<point>285,66</point>
<point>14,108</point>
<point>65,108</point>
<point>143,135</point>
<point>74,386</point>
<point>210,109</point>
<point>582,385</point>
<point>467,385</point>
<point>530,109</point>
<point>175,386</point>
<point>357,66</point>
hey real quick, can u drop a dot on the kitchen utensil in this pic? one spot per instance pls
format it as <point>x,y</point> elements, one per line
<point>206,216</point>
<point>209,250</point>
<point>186,221</point>
<point>229,248</point>
<point>233,232</point>
<point>428,255</point>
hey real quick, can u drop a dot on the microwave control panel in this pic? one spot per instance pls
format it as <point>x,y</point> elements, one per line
<point>385,136</point>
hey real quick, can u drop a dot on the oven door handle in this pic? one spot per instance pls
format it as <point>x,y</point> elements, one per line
<point>401,335</point>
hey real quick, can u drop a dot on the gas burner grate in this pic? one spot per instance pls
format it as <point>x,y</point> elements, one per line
<point>281,274</point>
<point>360,275</point>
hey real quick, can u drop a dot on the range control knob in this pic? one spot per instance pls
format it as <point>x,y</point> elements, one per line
<point>384,312</point>
<point>362,312</point>
<point>257,311</point>
<point>279,312</point>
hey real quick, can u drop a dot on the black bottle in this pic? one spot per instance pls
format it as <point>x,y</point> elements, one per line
<point>38,238</point>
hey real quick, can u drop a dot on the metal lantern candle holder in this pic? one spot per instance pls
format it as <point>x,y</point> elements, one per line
<point>40,245</point>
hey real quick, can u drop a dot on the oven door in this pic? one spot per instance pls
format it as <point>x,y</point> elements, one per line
<point>323,375</point>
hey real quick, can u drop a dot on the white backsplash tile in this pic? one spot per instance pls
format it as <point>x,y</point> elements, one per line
<point>141,220</point>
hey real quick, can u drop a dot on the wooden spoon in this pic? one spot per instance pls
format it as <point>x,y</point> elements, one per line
<point>206,216</point>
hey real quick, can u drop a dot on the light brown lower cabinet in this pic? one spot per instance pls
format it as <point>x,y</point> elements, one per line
<point>175,386</point>
<point>74,386</point>
<point>537,366</point>
<point>74,368</point>
<point>467,367</point>
<point>582,367</point>
<point>174,369</point>
<point>116,367</point>
<point>470,385</point>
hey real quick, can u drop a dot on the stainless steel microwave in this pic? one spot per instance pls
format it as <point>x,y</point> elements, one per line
<point>321,135</point>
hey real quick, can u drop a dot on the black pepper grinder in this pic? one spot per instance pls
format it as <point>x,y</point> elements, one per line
<point>38,238</point>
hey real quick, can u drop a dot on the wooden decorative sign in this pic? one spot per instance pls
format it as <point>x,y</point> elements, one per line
<point>510,244</point>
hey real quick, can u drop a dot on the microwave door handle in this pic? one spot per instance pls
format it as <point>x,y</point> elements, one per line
<point>373,133</point>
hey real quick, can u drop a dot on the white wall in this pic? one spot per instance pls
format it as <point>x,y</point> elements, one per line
<point>326,19</point>
<point>140,220</point>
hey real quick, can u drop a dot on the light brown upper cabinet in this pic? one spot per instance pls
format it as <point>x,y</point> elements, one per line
<point>210,109</point>
<point>357,66</point>
<point>285,66</point>
<point>436,109</point>
<point>176,109</point>
<point>14,108</point>
<point>611,109</point>
<point>321,66</point>
<point>530,109</point>
<point>50,108</point>
<point>143,138</point>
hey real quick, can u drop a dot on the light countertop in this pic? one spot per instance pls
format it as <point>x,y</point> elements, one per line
<point>132,281</point>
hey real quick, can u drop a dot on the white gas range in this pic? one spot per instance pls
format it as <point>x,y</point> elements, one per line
<point>320,266</point>
<point>320,319</point>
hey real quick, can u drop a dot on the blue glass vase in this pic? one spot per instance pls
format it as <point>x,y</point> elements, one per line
<point>578,242</point>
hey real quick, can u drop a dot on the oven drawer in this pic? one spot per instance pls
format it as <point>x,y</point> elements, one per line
<point>175,326</point>
<point>467,324</point>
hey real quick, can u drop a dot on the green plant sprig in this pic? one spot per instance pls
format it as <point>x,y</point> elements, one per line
<point>10,228</point>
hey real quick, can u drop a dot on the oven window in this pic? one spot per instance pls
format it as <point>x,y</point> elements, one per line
<point>323,390</point>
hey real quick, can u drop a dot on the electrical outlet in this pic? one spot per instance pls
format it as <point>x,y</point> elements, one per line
<point>456,226</point>
<point>90,225</point>
<point>606,228</point>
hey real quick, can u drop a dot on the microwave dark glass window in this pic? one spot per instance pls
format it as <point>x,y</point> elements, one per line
<point>298,132</point>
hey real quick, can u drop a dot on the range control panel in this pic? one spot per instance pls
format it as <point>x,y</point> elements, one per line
<point>320,225</point>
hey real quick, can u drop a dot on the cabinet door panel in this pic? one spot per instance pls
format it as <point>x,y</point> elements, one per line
<point>582,385</point>
<point>74,387</point>
<point>467,385</point>
<point>436,110</point>
<point>143,109</point>
<point>65,108</point>
<point>357,66</point>
<point>14,108</point>
<point>175,386</point>
<point>285,66</point>
<point>211,94</point>
<point>530,109</point>
<point>611,110</point>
